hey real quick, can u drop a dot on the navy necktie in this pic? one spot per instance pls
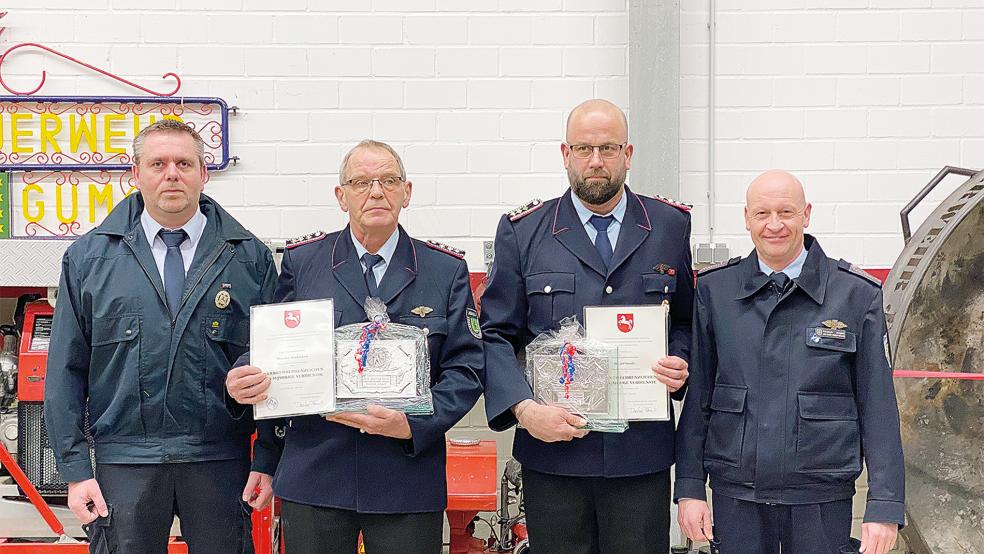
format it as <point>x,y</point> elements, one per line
<point>602,244</point>
<point>780,283</point>
<point>174,271</point>
<point>370,261</point>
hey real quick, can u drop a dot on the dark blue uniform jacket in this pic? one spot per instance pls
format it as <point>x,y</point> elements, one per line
<point>546,269</point>
<point>153,382</point>
<point>333,465</point>
<point>783,408</point>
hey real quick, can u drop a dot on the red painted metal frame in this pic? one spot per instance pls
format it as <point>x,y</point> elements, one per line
<point>44,74</point>
<point>32,493</point>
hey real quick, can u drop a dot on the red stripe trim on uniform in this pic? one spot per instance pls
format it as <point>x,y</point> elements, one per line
<point>912,374</point>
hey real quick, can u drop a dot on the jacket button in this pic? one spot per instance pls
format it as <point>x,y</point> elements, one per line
<point>129,331</point>
<point>547,289</point>
<point>608,289</point>
<point>426,331</point>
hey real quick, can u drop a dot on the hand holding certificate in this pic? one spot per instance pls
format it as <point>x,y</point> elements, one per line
<point>640,333</point>
<point>293,343</point>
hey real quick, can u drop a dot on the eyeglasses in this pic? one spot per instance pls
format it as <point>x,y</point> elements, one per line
<point>607,151</point>
<point>783,215</point>
<point>362,186</point>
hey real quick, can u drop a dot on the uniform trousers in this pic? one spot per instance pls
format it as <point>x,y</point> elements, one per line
<point>319,530</point>
<point>744,527</point>
<point>597,515</point>
<point>144,498</point>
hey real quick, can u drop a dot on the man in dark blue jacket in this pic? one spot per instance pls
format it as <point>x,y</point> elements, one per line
<point>152,311</point>
<point>598,244</point>
<point>791,389</point>
<point>383,472</point>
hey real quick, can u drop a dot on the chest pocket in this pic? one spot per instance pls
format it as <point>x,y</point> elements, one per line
<point>219,328</point>
<point>821,338</point>
<point>436,328</point>
<point>432,325</point>
<point>109,330</point>
<point>225,340</point>
<point>550,297</point>
<point>659,283</point>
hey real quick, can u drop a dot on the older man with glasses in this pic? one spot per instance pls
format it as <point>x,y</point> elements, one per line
<point>381,473</point>
<point>598,244</point>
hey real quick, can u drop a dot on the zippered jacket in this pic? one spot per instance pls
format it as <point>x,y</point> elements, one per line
<point>152,382</point>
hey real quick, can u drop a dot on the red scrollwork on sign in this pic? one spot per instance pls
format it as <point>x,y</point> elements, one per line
<point>44,74</point>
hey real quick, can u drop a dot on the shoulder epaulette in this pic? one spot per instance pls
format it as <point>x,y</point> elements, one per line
<point>311,237</point>
<point>675,203</point>
<point>719,265</point>
<point>447,249</point>
<point>851,268</point>
<point>525,209</point>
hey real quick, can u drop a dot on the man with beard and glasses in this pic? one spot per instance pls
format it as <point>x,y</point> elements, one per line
<point>598,244</point>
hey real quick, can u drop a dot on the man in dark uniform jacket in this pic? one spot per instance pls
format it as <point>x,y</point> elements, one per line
<point>153,309</point>
<point>791,390</point>
<point>381,473</point>
<point>598,244</point>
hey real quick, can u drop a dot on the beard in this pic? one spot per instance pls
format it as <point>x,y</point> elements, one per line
<point>601,189</point>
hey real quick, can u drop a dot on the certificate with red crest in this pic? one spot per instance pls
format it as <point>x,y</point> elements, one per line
<point>294,343</point>
<point>640,333</point>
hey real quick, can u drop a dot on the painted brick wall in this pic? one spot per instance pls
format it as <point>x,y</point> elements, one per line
<point>472,93</point>
<point>864,99</point>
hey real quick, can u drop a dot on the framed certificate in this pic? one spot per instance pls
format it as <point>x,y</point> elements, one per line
<point>640,333</point>
<point>294,343</point>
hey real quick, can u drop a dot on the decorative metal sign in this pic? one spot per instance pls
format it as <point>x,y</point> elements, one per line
<point>4,205</point>
<point>59,204</point>
<point>85,133</point>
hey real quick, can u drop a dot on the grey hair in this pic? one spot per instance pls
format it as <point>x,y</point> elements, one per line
<point>369,143</point>
<point>167,126</point>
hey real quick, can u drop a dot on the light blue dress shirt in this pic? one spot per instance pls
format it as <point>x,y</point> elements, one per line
<point>386,251</point>
<point>585,214</point>
<point>195,227</point>
<point>792,270</point>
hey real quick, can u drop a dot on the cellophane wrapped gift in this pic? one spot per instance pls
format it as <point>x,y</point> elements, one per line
<point>383,363</point>
<point>566,369</point>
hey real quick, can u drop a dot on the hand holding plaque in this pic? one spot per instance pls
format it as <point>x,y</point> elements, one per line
<point>382,363</point>
<point>567,370</point>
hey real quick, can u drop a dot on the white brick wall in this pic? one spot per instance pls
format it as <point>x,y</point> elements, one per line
<point>473,94</point>
<point>864,99</point>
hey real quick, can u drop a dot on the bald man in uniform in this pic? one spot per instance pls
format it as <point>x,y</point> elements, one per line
<point>790,390</point>
<point>598,244</point>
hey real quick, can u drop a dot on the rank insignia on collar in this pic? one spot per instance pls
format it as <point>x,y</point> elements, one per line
<point>422,311</point>
<point>447,249</point>
<point>311,237</point>
<point>527,208</point>
<point>835,324</point>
